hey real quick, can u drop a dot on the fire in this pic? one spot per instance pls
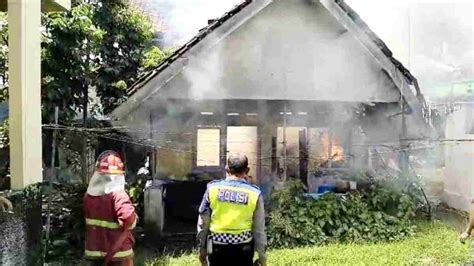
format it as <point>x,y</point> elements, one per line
<point>337,152</point>
<point>324,146</point>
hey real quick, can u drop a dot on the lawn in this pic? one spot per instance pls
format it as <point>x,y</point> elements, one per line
<point>434,244</point>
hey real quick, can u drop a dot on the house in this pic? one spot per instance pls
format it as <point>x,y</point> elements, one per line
<point>296,85</point>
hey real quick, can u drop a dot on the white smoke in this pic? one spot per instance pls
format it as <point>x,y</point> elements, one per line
<point>433,38</point>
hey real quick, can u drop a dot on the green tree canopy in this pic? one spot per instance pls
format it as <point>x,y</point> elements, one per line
<point>129,34</point>
<point>69,60</point>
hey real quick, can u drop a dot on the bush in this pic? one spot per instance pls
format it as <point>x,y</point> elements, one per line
<point>64,204</point>
<point>383,213</point>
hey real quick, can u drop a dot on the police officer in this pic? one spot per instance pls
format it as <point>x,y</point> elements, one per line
<point>231,224</point>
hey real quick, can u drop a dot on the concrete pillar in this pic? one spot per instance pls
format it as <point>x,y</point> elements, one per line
<point>24,19</point>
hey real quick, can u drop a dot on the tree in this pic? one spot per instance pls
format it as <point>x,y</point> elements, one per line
<point>69,60</point>
<point>100,46</point>
<point>129,36</point>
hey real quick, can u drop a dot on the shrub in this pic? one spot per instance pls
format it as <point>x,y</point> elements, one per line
<point>64,204</point>
<point>383,213</point>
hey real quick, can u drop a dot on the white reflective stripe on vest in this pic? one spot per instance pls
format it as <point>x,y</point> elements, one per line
<point>102,223</point>
<point>120,254</point>
<point>134,224</point>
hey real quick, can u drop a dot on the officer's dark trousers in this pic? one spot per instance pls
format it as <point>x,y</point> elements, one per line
<point>226,255</point>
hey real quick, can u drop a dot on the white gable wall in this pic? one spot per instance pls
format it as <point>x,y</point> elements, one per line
<point>292,49</point>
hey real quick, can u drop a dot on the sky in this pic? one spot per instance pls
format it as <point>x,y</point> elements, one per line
<point>433,38</point>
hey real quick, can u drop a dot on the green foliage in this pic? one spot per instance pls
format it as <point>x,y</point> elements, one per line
<point>33,192</point>
<point>4,134</point>
<point>64,204</point>
<point>154,57</point>
<point>136,191</point>
<point>129,35</point>
<point>381,214</point>
<point>69,60</point>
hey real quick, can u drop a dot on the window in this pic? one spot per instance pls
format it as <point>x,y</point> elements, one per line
<point>244,140</point>
<point>290,158</point>
<point>208,147</point>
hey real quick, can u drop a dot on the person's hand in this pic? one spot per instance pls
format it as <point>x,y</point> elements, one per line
<point>463,237</point>
<point>203,257</point>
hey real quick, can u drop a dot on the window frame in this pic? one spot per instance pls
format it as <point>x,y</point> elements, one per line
<point>207,168</point>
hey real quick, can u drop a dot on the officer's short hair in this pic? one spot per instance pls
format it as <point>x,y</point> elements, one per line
<point>237,164</point>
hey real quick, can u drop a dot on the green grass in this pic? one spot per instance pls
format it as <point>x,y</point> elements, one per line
<point>434,244</point>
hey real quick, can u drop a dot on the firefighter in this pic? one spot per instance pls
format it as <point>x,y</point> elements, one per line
<point>110,215</point>
<point>231,223</point>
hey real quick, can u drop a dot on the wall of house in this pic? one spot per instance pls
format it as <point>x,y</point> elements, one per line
<point>172,125</point>
<point>184,147</point>
<point>292,49</point>
<point>459,159</point>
